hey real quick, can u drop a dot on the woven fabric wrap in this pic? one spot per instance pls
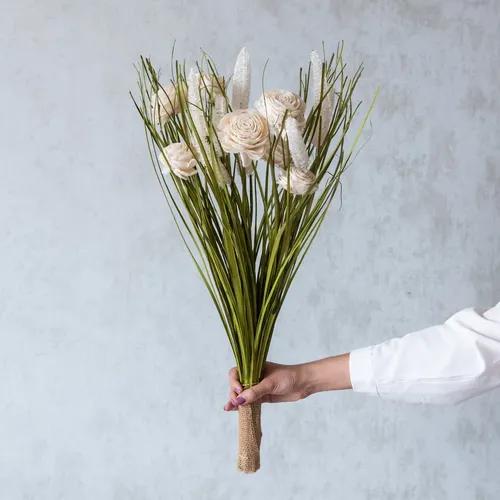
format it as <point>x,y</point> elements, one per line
<point>249,436</point>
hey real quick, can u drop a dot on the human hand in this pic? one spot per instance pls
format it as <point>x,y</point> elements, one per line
<point>280,383</point>
<point>284,383</point>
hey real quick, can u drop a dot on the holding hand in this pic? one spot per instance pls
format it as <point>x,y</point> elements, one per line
<point>285,383</point>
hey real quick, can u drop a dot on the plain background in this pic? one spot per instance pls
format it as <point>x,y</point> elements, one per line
<point>112,361</point>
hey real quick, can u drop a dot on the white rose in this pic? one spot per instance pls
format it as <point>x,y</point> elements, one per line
<point>244,131</point>
<point>273,104</point>
<point>165,103</point>
<point>301,181</point>
<point>177,158</point>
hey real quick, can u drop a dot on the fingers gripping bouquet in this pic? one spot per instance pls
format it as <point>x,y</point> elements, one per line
<point>248,187</point>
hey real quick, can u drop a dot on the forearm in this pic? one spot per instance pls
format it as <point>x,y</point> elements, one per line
<point>328,374</point>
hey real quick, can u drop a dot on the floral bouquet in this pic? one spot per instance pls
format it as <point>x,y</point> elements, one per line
<point>248,188</point>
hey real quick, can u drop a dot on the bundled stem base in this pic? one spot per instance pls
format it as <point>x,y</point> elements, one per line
<point>249,436</point>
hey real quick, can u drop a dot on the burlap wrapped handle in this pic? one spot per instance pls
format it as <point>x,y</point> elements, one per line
<point>249,436</point>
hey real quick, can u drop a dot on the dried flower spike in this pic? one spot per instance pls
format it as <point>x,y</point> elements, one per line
<point>323,97</point>
<point>195,106</point>
<point>241,81</point>
<point>317,76</point>
<point>296,143</point>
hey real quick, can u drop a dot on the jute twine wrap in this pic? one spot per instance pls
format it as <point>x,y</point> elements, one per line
<point>249,436</point>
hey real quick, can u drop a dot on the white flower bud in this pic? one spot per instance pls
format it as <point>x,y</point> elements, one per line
<point>164,104</point>
<point>298,180</point>
<point>178,159</point>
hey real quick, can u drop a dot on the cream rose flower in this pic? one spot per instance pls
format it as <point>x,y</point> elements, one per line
<point>301,181</point>
<point>244,131</point>
<point>165,103</point>
<point>273,104</point>
<point>177,158</point>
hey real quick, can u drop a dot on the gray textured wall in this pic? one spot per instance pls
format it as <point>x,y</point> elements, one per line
<point>112,361</point>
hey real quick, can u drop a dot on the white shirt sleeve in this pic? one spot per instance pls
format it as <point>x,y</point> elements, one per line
<point>446,363</point>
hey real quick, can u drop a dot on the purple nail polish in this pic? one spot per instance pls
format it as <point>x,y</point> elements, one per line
<point>240,400</point>
<point>233,402</point>
<point>237,390</point>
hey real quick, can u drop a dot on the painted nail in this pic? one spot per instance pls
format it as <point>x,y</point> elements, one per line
<point>237,390</point>
<point>240,400</point>
<point>234,402</point>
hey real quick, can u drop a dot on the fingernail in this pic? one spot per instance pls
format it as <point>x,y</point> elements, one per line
<point>234,402</point>
<point>237,390</point>
<point>240,400</point>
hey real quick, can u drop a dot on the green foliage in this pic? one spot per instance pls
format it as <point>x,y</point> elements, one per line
<point>248,237</point>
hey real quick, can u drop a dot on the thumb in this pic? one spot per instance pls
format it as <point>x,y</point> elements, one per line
<point>255,393</point>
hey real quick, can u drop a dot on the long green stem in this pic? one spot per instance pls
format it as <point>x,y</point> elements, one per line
<point>246,236</point>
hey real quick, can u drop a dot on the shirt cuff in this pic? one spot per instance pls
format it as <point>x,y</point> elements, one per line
<point>361,371</point>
